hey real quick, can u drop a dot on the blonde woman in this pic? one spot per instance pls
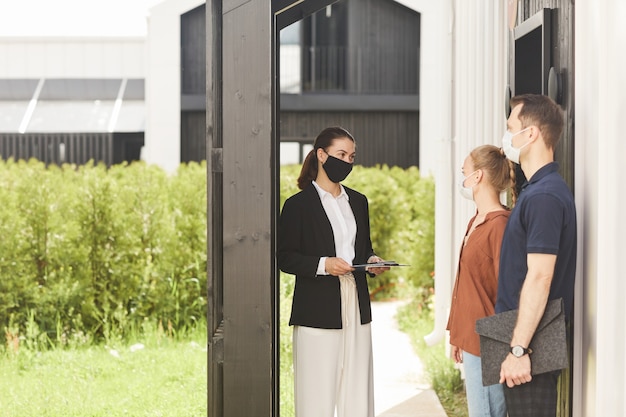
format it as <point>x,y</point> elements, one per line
<point>486,173</point>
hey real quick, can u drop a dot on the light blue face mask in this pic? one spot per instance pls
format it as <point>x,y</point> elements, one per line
<point>507,145</point>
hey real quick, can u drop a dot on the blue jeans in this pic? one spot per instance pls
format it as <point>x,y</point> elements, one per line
<point>481,401</point>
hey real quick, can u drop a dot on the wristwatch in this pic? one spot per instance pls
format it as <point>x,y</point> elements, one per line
<point>519,351</point>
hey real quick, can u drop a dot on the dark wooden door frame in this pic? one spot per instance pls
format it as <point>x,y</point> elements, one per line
<point>243,201</point>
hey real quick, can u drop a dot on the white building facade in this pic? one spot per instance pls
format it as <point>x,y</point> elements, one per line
<point>473,115</point>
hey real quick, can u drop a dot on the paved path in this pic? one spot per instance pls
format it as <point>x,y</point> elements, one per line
<point>400,386</point>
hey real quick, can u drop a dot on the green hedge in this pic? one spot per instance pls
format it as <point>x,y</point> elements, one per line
<point>91,252</point>
<point>98,253</point>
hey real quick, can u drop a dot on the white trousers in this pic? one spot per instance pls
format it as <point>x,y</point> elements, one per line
<point>333,368</point>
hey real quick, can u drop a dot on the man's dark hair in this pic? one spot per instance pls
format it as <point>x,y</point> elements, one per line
<point>543,112</point>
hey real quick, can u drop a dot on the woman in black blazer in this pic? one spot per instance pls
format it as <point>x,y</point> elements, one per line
<point>323,231</point>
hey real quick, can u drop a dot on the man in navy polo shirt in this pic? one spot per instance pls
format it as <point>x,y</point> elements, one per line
<point>538,255</point>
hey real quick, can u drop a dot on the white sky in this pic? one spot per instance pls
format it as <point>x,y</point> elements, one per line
<point>74,17</point>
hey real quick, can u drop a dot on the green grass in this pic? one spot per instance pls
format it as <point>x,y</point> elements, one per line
<point>165,378</point>
<point>168,377</point>
<point>417,321</point>
<point>287,409</point>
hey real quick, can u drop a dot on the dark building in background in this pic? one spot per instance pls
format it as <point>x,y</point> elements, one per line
<point>359,68</point>
<point>193,85</point>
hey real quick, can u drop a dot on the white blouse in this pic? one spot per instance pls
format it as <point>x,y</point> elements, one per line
<point>342,220</point>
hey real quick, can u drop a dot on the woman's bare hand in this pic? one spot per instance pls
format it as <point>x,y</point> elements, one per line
<point>337,266</point>
<point>376,270</point>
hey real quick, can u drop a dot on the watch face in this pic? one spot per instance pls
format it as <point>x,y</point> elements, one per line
<point>517,351</point>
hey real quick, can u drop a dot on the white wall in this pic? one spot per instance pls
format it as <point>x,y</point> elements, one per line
<point>461,106</point>
<point>600,105</point>
<point>435,136</point>
<point>72,57</point>
<point>600,89</point>
<point>163,83</point>
<point>478,117</point>
<point>435,79</point>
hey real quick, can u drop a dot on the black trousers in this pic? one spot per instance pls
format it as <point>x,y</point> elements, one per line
<point>536,398</point>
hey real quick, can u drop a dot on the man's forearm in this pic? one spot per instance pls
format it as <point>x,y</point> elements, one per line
<point>533,297</point>
<point>532,305</point>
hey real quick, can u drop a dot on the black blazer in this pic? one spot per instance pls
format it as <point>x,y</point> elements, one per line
<point>304,235</point>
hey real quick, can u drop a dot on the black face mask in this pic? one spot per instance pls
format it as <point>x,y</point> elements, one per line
<point>336,169</point>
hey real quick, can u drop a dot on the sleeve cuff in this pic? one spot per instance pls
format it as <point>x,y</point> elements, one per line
<point>321,266</point>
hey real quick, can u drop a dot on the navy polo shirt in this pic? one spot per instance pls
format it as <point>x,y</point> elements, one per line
<point>542,221</point>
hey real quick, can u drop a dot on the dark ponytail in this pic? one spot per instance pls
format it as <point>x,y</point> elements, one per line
<point>309,167</point>
<point>309,170</point>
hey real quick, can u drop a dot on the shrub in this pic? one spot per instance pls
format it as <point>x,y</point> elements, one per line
<point>97,251</point>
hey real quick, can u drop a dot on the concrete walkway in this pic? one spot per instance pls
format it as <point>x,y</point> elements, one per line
<point>400,387</point>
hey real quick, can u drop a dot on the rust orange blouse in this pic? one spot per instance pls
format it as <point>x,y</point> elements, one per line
<point>476,285</point>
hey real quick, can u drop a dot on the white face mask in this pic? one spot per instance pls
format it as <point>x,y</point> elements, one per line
<point>467,192</point>
<point>507,145</point>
